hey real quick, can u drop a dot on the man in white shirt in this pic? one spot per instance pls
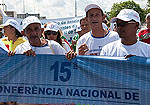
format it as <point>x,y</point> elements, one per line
<point>34,45</point>
<point>128,22</point>
<point>92,42</point>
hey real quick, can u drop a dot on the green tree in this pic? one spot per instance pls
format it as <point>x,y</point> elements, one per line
<point>147,8</point>
<point>117,7</point>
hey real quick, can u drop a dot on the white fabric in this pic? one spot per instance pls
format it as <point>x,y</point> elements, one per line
<point>52,48</point>
<point>29,20</point>
<point>127,15</point>
<point>13,23</point>
<point>52,26</point>
<point>95,44</point>
<point>120,50</point>
<point>91,6</point>
<point>2,45</point>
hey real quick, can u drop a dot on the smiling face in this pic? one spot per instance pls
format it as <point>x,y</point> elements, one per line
<point>95,17</point>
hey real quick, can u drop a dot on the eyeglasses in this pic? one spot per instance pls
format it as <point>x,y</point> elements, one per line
<point>123,23</point>
<point>50,33</point>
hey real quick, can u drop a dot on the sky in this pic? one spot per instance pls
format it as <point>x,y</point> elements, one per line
<point>54,9</point>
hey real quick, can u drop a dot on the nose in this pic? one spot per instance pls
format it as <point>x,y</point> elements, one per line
<point>33,32</point>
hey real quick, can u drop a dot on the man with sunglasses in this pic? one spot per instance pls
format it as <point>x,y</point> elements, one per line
<point>34,45</point>
<point>127,22</point>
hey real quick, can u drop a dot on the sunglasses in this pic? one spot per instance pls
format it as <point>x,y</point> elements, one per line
<point>124,24</point>
<point>50,33</point>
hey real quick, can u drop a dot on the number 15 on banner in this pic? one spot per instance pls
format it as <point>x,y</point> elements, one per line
<point>61,71</point>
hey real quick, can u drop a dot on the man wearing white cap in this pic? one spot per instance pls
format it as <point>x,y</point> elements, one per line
<point>92,42</point>
<point>13,35</point>
<point>128,22</point>
<point>34,45</point>
<point>144,35</point>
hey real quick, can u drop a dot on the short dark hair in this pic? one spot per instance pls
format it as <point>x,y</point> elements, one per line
<point>83,19</point>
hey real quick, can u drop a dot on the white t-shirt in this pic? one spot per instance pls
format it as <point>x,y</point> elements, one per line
<point>51,48</point>
<point>120,50</point>
<point>95,44</point>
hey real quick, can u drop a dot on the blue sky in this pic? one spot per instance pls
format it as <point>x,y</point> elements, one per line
<point>60,8</point>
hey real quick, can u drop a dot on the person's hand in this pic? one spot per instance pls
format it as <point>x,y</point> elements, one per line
<point>127,56</point>
<point>11,53</point>
<point>71,54</point>
<point>83,49</point>
<point>30,53</point>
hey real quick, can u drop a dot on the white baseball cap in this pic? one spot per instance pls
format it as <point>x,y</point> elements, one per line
<point>13,23</point>
<point>91,6</point>
<point>29,20</point>
<point>52,26</point>
<point>127,15</point>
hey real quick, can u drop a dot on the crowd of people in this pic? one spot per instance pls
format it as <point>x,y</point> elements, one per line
<point>95,38</point>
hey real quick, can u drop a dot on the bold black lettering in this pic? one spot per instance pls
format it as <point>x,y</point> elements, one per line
<point>27,90</point>
<point>103,94</point>
<point>42,91</point>
<point>1,88</point>
<point>20,90</point>
<point>136,96</point>
<point>59,92</point>
<point>76,93</point>
<point>69,92</point>
<point>83,93</point>
<point>127,95</point>
<point>48,91</point>
<point>110,95</point>
<point>95,93</point>
<point>7,89</point>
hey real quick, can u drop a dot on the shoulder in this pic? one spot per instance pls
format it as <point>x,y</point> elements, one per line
<point>85,36</point>
<point>22,39</point>
<point>54,43</point>
<point>112,44</point>
<point>143,44</point>
<point>113,33</point>
<point>22,47</point>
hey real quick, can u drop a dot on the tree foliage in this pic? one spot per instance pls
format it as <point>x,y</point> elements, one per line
<point>147,8</point>
<point>117,7</point>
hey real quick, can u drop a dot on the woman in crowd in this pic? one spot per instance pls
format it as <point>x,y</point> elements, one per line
<point>13,35</point>
<point>53,32</point>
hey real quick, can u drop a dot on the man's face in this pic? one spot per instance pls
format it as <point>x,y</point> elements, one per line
<point>95,17</point>
<point>126,29</point>
<point>148,22</point>
<point>33,33</point>
<point>85,26</point>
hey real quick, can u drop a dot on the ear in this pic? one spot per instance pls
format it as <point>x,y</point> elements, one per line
<point>13,30</point>
<point>104,16</point>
